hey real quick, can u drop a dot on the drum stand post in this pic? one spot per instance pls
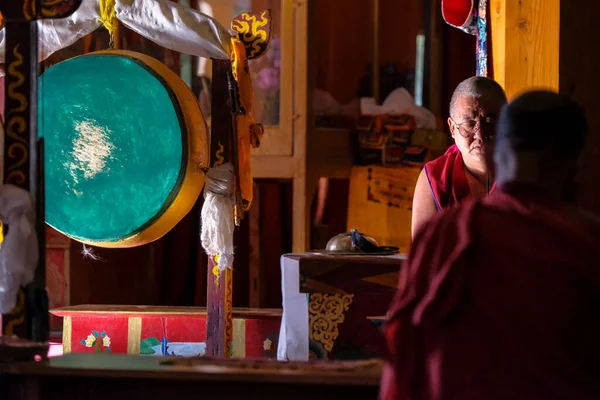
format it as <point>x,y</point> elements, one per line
<point>219,322</point>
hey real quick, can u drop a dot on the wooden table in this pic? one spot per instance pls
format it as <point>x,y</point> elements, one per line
<point>114,377</point>
<point>343,292</point>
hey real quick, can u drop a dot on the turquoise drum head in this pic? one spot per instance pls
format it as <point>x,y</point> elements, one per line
<point>120,133</point>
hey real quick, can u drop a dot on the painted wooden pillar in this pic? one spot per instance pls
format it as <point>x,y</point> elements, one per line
<point>230,114</point>
<point>23,151</point>
<point>219,327</point>
<point>525,44</point>
<point>551,44</point>
<point>19,147</point>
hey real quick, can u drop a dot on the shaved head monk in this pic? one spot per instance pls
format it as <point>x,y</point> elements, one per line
<point>500,297</point>
<point>462,171</point>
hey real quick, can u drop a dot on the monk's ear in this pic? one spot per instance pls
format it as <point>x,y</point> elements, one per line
<point>451,126</point>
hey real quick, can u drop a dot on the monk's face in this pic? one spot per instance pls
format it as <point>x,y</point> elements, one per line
<point>473,125</point>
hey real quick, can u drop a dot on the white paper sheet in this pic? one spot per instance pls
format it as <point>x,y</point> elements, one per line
<point>18,255</point>
<point>293,335</point>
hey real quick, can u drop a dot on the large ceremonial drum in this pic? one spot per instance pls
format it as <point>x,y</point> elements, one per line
<point>125,146</point>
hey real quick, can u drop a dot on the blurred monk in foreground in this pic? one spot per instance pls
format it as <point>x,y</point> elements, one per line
<point>462,172</point>
<point>500,297</point>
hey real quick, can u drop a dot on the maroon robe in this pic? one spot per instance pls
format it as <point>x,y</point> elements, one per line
<point>499,299</point>
<point>447,179</point>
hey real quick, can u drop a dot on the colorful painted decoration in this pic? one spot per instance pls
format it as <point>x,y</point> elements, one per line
<point>164,347</point>
<point>470,16</point>
<point>165,331</point>
<point>460,14</point>
<point>125,146</point>
<point>99,341</point>
<point>269,346</point>
<point>254,31</point>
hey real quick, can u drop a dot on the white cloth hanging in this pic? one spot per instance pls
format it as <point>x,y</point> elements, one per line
<point>19,250</point>
<point>168,24</point>
<point>217,215</point>
<point>57,34</point>
<point>175,27</point>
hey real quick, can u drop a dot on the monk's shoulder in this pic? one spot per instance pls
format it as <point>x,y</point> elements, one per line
<point>439,162</point>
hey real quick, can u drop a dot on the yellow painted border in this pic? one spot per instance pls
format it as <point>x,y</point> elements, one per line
<point>197,157</point>
<point>134,335</point>
<point>238,344</point>
<point>66,339</point>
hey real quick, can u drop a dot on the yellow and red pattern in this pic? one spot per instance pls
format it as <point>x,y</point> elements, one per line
<point>254,31</point>
<point>228,310</point>
<point>130,328</point>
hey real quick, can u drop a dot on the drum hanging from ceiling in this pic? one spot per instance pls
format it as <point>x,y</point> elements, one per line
<point>125,146</point>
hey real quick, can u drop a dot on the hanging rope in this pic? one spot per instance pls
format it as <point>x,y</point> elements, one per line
<point>108,17</point>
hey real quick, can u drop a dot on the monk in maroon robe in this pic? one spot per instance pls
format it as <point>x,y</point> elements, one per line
<point>462,172</point>
<point>500,297</point>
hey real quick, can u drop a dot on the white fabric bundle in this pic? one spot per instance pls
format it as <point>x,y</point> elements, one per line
<point>217,215</point>
<point>56,34</point>
<point>19,251</point>
<point>168,24</point>
<point>175,27</point>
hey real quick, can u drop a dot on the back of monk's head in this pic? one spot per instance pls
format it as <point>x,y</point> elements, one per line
<point>539,138</point>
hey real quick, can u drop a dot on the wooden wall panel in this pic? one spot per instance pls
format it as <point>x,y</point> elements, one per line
<point>275,225</point>
<point>525,44</point>
<point>579,78</point>
<point>401,22</point>
<point>551,43</point>
<point>122,276</point>
<point>344,40</point>
<point>458,64</point>
<point>57,274</point>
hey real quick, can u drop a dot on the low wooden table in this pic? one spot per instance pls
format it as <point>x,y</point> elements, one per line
<point>84,376</point>
<point>329,299</point>
<point>163,331</point>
